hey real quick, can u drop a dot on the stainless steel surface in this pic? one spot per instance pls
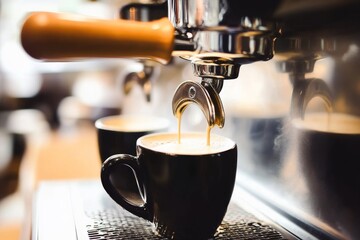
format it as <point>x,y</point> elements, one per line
<point>217,15</point>
<point>305,47</point>
<point>223,40</point>
<point>144,11</point>
<point>216,68</point>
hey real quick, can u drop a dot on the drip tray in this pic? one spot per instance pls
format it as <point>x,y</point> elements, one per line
<point>84,211</point>
<point>116,223</point>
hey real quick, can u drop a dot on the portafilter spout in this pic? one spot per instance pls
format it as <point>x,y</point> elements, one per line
<point>143,78</point>
<point>297,56</point>
<point>304,91</point>
<point>204,96</point>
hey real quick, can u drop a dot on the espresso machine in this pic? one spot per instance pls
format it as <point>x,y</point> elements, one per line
<point>302,41</point>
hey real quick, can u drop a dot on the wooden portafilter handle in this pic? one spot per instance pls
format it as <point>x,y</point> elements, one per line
<point>54,36</point>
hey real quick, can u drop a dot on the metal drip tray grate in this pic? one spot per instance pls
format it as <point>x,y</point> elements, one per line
<point>116,223</point>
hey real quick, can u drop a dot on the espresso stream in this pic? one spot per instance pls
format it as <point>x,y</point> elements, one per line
<point>208,129</point>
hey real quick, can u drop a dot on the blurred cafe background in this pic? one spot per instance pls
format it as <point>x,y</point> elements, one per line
<point>48,110</point>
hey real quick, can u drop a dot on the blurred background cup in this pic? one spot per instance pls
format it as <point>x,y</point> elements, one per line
<point>18,129</point>
<point>328,148</point>
<point>118,134</point>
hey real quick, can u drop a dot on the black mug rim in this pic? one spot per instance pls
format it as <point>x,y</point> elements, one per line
<point>161,123</point>
<point>139,144</point>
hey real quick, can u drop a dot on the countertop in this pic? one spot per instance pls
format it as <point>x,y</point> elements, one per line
<point>53,155</point>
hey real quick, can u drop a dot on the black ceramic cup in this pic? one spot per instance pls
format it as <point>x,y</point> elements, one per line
<point>186,188</point>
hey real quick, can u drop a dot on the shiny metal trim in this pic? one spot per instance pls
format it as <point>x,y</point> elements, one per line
<point>215,67</point>
<point>242,39</point>
<point>304,47</point>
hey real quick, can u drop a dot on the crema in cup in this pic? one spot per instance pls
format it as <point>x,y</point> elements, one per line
<point>191,143</point>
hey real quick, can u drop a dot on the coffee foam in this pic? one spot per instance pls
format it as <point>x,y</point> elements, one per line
<point>132,123</point>
<point>191,143</point>
<point>333,122</point>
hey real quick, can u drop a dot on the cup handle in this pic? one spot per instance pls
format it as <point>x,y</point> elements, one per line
<point>108,168</point>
